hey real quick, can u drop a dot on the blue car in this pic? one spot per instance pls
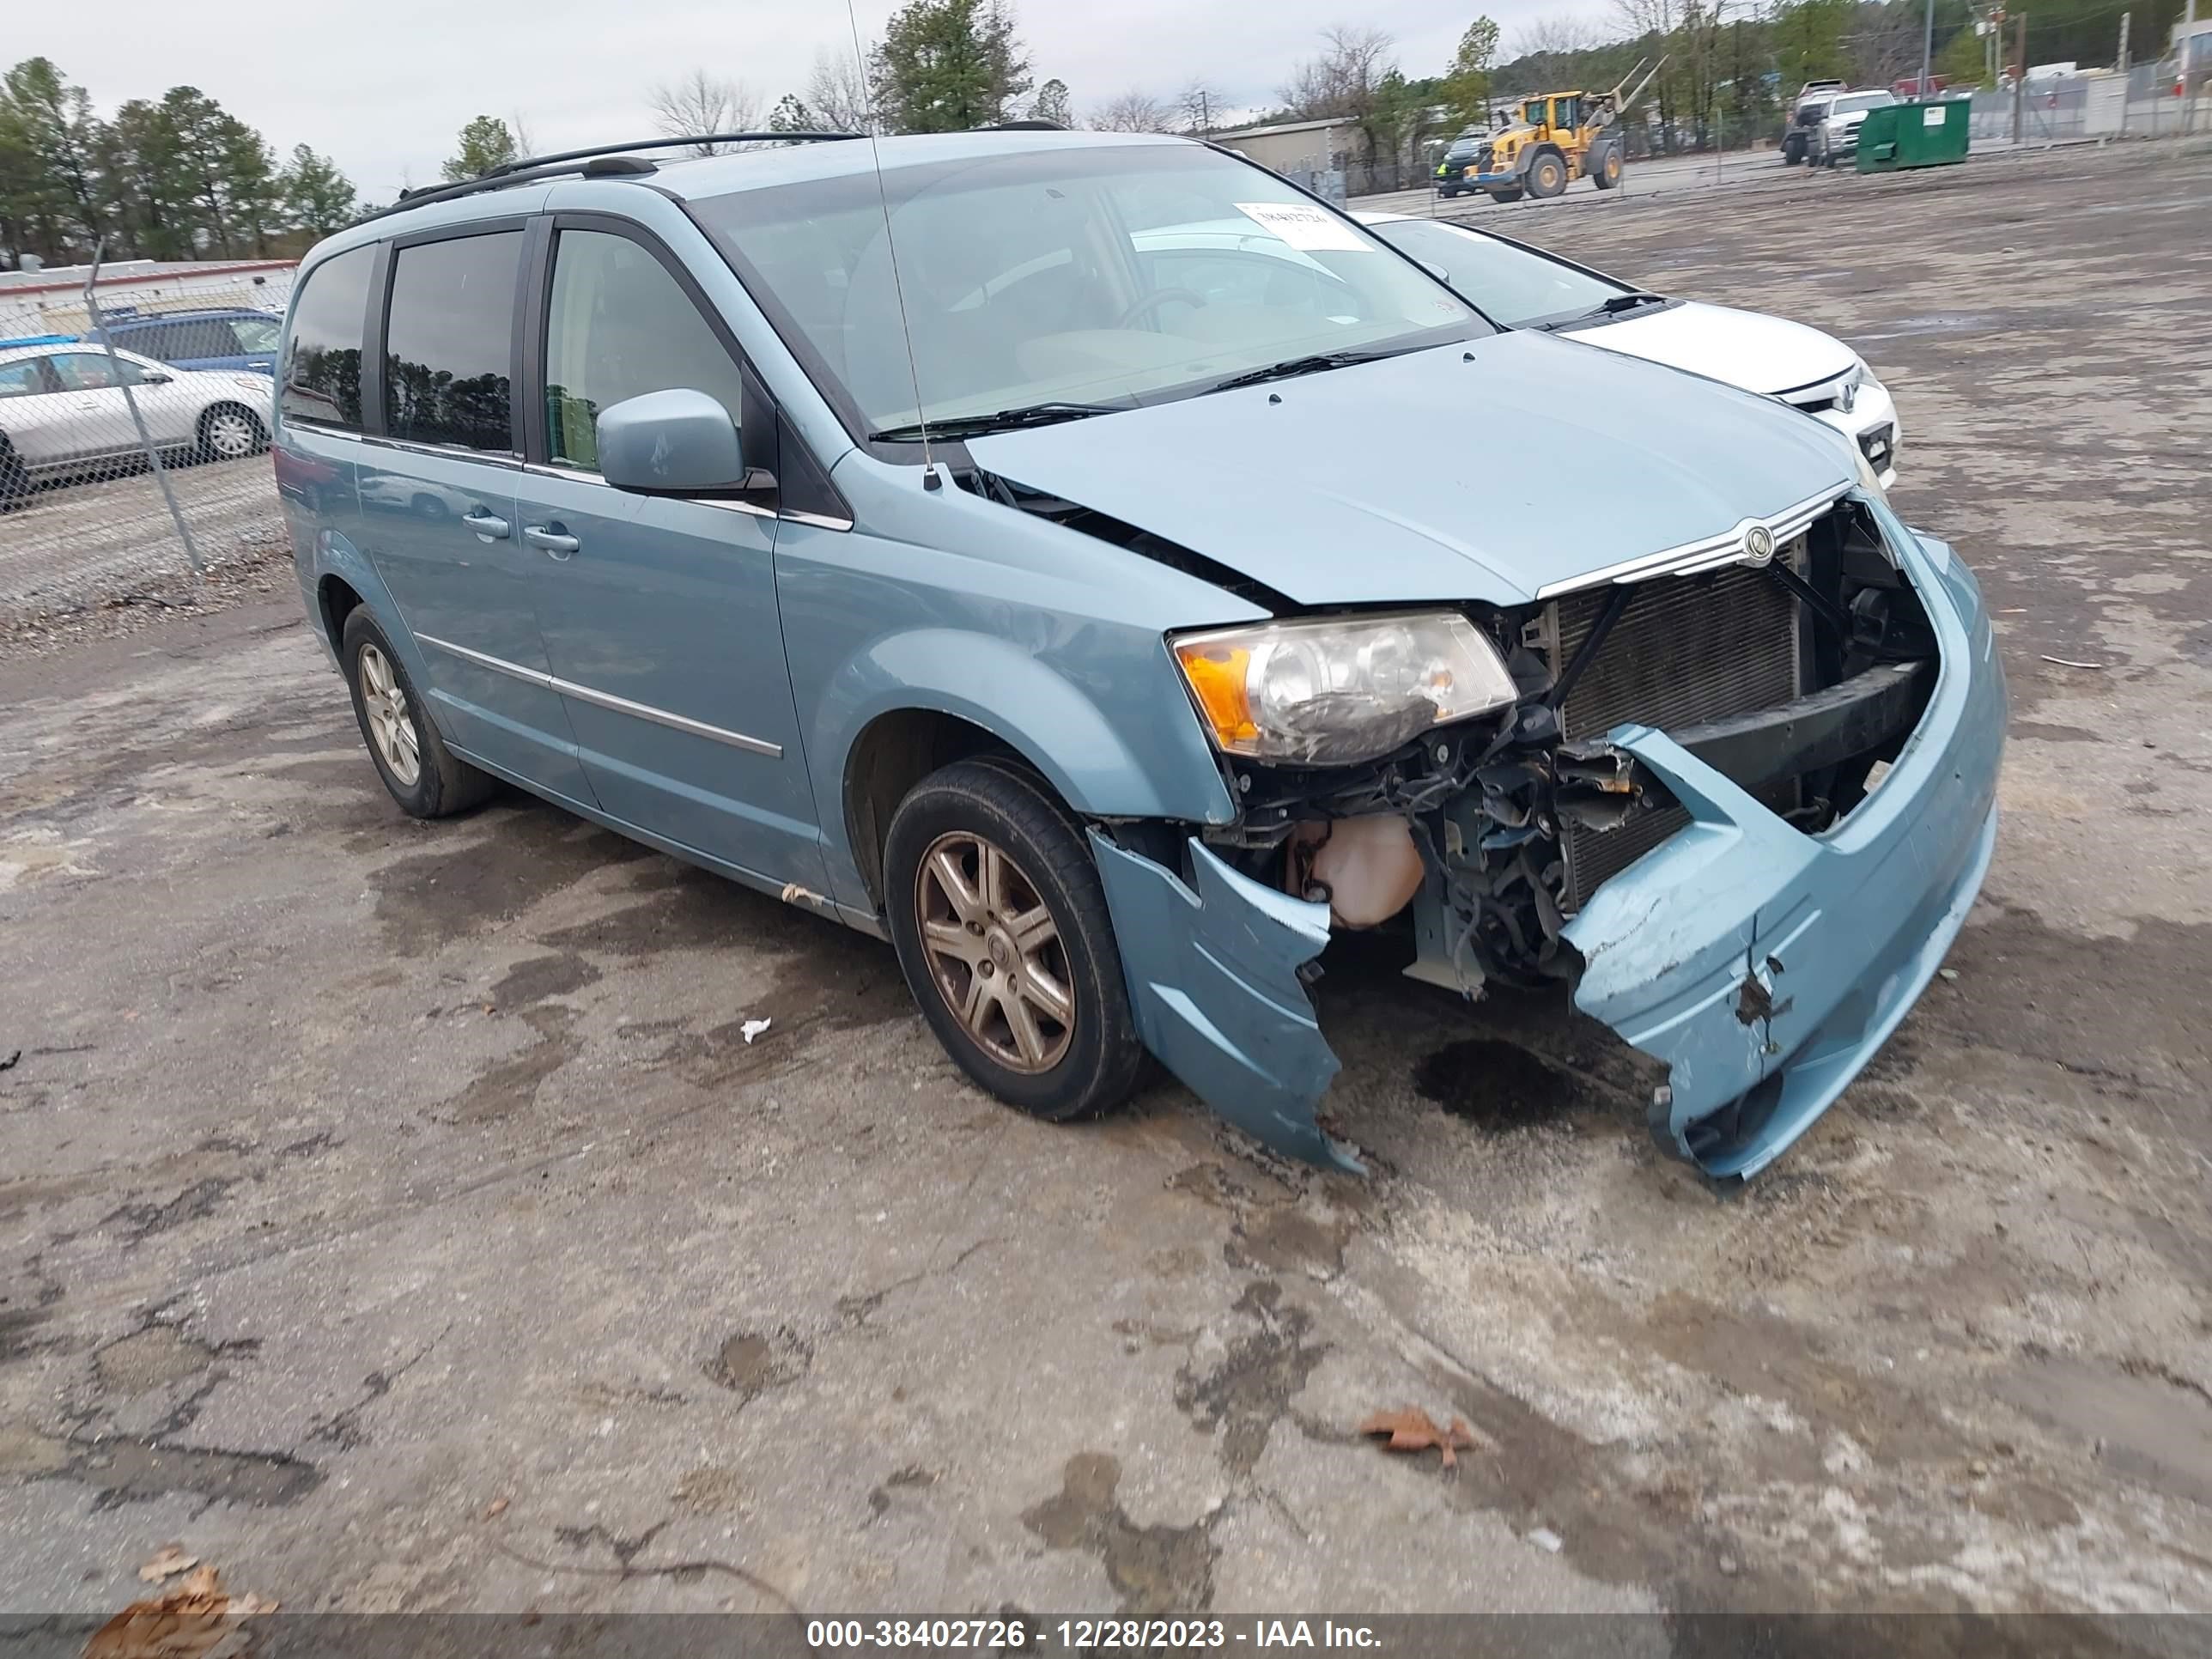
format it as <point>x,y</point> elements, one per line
<point>915,539</point>
<point>231,339</point>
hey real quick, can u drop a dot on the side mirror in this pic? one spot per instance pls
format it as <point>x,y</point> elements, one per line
<point>677,442</point>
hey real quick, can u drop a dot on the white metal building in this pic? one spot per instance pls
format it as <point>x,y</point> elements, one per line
<point>51,299</point>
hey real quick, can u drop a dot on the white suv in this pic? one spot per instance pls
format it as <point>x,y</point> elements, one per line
<point>1837,138</point>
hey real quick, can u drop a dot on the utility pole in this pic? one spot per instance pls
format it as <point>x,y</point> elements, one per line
<point>1927,52</point>
<point>2188,40</point>
<point>2126,18</point>
<point>2018,74</point>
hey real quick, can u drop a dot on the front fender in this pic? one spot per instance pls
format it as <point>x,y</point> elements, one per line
<point>1101,769</point>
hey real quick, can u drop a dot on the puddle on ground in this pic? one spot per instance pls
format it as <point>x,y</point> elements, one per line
<point>1496,1086</point>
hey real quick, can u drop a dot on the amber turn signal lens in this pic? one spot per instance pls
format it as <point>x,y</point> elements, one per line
<point>1217,676</point>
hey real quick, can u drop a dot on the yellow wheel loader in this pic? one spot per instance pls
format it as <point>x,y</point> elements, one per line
<point>1559,136</point>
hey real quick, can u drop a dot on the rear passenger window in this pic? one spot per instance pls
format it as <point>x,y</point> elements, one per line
<point>321,374</point>
<point>621,326</point>
<point>449,342</point>
<point>190,342</point>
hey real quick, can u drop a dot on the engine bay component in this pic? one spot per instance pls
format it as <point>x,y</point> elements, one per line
<point>1366,869</point>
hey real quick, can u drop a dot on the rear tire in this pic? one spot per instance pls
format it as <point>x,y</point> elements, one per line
<point>1547,175</point>
<point>1511,193</point>
<point>15,481</point>
<point>1034,1007</point>
<point>419,772</point>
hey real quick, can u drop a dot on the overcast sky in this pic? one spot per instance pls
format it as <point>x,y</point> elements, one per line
<point>384,85</point>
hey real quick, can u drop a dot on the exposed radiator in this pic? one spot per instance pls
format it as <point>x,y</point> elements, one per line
<point>1690,649</point>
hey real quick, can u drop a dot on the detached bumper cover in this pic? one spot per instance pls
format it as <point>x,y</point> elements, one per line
<point>1765,966</point>
<point>1213,974</point>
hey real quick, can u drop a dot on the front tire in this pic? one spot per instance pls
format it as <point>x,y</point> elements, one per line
<point>231,432</point>
<point>1509,194</point>
<point>1547,176</point>
<point>419,772</point>
<point>1001,927</point>
<point>14,479</point>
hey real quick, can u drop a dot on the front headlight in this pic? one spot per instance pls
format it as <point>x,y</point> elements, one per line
<point>1329,693</point>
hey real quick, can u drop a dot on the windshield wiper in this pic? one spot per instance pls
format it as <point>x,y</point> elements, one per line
<point>1006,420</point>
<point>1313,364</point>
<point>1614,307</point>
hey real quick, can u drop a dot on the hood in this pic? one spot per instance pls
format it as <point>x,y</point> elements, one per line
<point>1759,352</point>
<point>1482,470</point>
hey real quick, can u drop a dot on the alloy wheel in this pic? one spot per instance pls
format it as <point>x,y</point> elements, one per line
<point>391,724</point>
<point>995,952</point>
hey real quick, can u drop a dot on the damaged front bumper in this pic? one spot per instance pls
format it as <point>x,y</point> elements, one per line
<point>1763,965</point>
<point>1766,966</point>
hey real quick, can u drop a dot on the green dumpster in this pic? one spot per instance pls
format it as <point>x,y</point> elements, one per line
<point>1932,134</point>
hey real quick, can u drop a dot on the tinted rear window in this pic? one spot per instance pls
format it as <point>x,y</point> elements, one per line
<point>322,367</point>
<point>449,342</point>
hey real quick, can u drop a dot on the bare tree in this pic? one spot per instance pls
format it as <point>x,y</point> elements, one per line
<point>838,94</point>
<point>1133,111</point>
<point>701,102</point>
<point>1558,36</point>
<point>1344,79</point>
<point>524,143</point>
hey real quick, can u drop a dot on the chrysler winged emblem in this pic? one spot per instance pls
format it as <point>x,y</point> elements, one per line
<point>1758,546</point>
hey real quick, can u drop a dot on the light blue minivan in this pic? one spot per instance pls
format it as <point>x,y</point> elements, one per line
<point>909,529</point>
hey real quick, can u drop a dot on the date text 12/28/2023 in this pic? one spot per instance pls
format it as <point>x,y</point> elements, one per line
<point>1085,1635</point>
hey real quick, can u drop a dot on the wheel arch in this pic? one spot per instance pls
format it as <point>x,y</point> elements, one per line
<point>916,701</point>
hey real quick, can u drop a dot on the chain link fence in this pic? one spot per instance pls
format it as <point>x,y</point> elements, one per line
<point>2146,102</point>
<point>135,414</point>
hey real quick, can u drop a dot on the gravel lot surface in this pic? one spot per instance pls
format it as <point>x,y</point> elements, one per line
<point>393,1214</point>
<point>79,559</point>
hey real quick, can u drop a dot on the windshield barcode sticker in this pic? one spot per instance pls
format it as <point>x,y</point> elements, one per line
<point>1308,229</point>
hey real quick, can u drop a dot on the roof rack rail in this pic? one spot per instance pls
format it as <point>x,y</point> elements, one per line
<point>1031,124</point>
<point>529,169</point>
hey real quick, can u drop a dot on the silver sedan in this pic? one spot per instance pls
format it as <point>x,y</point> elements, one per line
<point>63,413</point>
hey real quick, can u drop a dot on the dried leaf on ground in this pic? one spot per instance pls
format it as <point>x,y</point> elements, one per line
<point>1413,1430</point>
<point>493,1510</point>
<point>169,1560</point>
<point>195,1618</point>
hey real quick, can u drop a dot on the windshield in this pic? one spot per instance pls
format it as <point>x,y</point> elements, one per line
<point>1511,285</point>
<point>1048,276</point>
<point>1859,101</point>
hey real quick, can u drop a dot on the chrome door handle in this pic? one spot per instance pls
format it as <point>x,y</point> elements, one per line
<point>489,525</point>
<point>551,540</point>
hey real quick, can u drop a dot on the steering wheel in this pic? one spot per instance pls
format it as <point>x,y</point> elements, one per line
<point>1155,300</point>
